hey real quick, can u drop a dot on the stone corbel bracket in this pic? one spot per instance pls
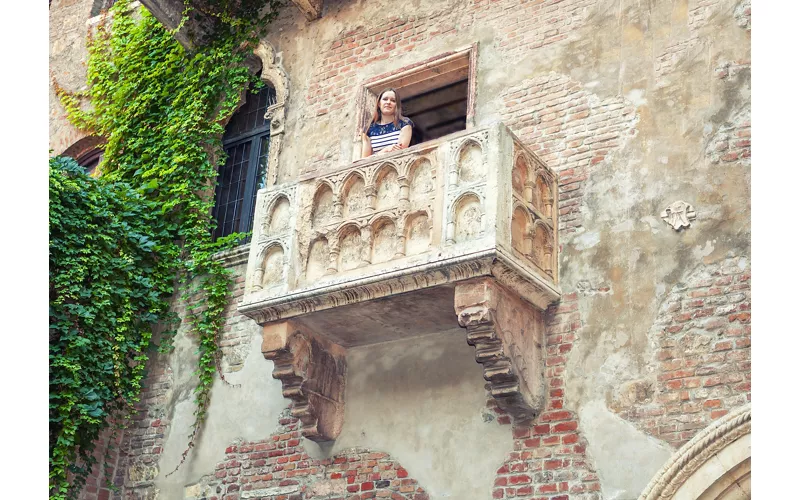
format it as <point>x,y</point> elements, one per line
<point>312,371</point>
<point>507,335</point>
<point>311,8</point>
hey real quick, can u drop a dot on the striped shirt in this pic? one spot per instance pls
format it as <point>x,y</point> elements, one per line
<point>381,136</point>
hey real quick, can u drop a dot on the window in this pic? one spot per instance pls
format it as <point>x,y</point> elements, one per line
<point>90,160</point>
<point>246,144</point>
<point>438,94</point>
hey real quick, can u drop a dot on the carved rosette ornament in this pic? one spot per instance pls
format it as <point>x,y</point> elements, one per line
<point>679,215</point>
<point>312,372</point>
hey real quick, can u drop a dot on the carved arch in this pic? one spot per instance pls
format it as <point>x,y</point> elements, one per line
<point>377,173</point>
<point>544,200</point>
<point>269,213</point>
<point>276,249</point>
<point>467,225</point>
<point>273,73</point>
<point>417,232</point>
<point>386,190</point>
<point>460,199</point>
<point>521,228</point>
<point>543,246</point>
<point>318,259</point>
<point>350,207</point>
<point>383,244</point>
<point>457,160</point>
<point>521,175</point>
<point>714,465</point>
<point>351,246</point>
<point>322,184</point>
<point>410,168</point>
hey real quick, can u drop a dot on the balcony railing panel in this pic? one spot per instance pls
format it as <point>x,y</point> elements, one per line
<point>474,203</point>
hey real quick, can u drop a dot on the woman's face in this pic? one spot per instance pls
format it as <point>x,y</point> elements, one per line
<point>388,103</point>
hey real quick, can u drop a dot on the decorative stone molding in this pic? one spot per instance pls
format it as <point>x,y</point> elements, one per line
<point>312,372</point>
<point>273,73</point>
<point>311,8</point>
<point>692,456</point>
<point>507,335</point>
<point>433,214</point>
<point>679,215</point>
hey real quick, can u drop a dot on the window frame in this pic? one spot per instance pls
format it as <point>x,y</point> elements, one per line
<point>256,138</point>
<point>421,77</point>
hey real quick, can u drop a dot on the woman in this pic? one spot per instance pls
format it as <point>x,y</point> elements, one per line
<point>389,130</point>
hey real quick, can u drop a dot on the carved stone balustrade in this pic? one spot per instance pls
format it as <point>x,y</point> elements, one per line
<point>388,246</point>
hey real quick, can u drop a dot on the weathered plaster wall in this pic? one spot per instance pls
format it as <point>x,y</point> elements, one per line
<point>428,397</point>
<point>68,56</point>
<point>254,394</point>
<point>636,105</point>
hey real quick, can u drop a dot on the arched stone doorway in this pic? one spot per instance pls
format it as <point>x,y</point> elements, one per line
<point>714,465</point>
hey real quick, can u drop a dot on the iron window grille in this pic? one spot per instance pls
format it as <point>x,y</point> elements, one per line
<point>246,144</point>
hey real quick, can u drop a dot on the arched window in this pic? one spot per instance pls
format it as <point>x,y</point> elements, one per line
<point>246,143</point>
<point>90,160</point>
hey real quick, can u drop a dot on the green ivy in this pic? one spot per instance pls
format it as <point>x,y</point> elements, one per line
<point>120,243</point>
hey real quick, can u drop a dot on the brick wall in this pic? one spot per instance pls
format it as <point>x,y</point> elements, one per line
<point>701,358</point>
<point>549,461</point>
<point>571,129</point>
<point>521,27</point>
<point>278,468</point>
<point>732,140</point>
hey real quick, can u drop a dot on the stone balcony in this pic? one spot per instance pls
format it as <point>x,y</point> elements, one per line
<point>460,232</point>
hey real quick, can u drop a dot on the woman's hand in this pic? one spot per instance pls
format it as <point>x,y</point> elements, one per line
<point>393,147</point>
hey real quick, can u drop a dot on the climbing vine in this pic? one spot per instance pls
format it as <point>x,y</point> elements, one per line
<point>123,243</point>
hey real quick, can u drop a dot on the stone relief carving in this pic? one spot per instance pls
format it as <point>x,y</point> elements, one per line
<point>419,233</point>
<point>273,266</point>
<point>384,241</point>
<point>350,249</point>
<point>355,197</point>
<point>468,218</point>
<point>271,239</point>
<point>521,231</point>
<point>470,163</point>
<point>278,221</point>
<point>318,259</point>
<point>519,176</point>
<point>388,191</point>
<point>323,207</point>
<point>422,184</point>
<point>679,215</point>
<point>544,196</point>
<point>382,210</point>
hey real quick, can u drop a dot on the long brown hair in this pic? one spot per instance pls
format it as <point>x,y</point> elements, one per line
<point>398,110</point>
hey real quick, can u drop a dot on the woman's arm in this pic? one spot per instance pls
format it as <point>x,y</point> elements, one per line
<point>402,142</point>
<point>366,146</point>
<point>405,136</point>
